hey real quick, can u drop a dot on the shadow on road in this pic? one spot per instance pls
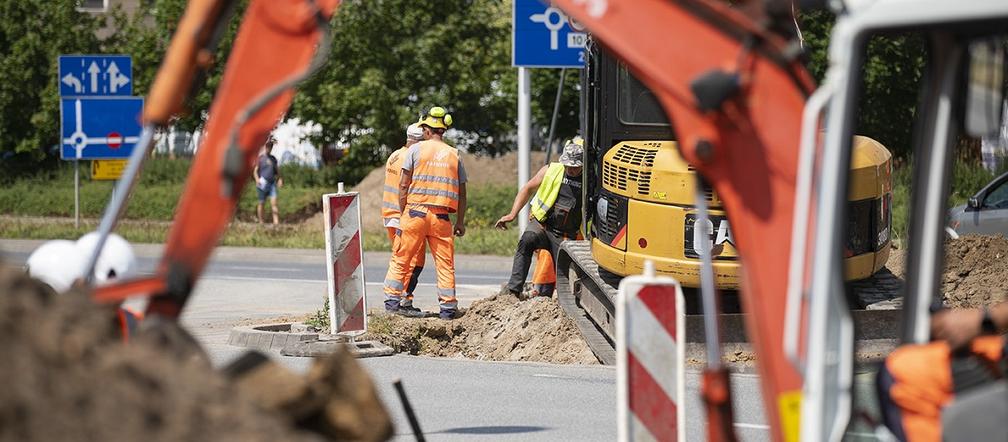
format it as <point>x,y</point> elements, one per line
<point>500,429</point>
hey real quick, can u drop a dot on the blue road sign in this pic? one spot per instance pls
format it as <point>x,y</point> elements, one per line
<point>99,128</point>
<point>91,75</point>
<point>543,37</point>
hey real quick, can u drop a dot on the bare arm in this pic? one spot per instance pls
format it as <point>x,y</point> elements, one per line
<point>405,179</point>
<point>460,216</point>
<point>522,198</point>
<point>958,327</point>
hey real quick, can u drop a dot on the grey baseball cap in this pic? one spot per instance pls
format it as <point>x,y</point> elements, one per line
<point>573,152</point>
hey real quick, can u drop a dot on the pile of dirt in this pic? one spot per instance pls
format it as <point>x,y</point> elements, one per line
<point>481,171</point>
<point>498,328</point>
<point>976,270</point>
<point>68,376</point>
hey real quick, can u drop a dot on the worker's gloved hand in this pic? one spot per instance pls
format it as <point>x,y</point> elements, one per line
<point>957,327</point>
<point>502,222</point>
<point>459,230</point>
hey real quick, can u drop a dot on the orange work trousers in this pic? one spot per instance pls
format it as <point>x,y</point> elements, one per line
<point>416,265</point>
<point>916,382</point>
<point>544,277</point>
<point>417,225</point>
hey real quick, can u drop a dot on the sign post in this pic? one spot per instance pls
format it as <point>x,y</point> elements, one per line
<point>99,119</point>
<point>544,37</point>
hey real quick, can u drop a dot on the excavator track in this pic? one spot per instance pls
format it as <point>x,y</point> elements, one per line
<point>587,294</point>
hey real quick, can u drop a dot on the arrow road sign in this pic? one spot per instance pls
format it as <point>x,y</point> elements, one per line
<point>95,75</point>
<point>99,128</point>
<point>545,37</point>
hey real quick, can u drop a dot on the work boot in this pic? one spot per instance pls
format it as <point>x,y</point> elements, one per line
<point>410,312</point>
<point>449,314</point>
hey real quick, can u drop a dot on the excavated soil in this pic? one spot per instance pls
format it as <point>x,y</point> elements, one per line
<point>498,328</point>
<point>68,376</point>
<point>976,270</point>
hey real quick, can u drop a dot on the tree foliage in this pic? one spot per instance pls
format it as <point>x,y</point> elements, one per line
<point>33,33</point>
<point>890,80</point>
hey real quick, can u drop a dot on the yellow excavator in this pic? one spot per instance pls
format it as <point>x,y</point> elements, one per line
<point>639,200</point>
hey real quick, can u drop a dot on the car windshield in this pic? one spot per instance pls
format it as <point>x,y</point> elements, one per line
<point>637,104</point>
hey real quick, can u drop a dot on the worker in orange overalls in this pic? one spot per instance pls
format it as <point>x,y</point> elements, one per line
<point>390,218</point>
<point>431,186</point>
<point>917,382</point>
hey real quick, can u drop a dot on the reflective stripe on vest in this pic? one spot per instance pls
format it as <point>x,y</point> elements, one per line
<point>390,192</point>
<point>435,176</point>
<point>548,191</point>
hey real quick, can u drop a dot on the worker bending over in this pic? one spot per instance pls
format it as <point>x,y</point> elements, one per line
<point>555,214</point>
<point>431,186</point>
<point>390,217</point>
<point>917,383</point>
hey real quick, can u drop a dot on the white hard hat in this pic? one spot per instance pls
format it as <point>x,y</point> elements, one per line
<point>414,132</point>
<point>117,259</point>
<point>58,263</point>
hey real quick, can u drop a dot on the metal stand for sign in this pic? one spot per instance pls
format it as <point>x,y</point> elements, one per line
<point>76,194</point>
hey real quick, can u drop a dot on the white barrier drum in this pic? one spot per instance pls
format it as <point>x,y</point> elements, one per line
<point>344,266</point>
<point>650,358</point>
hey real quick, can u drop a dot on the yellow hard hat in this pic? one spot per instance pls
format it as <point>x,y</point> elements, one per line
<point>437,117</point>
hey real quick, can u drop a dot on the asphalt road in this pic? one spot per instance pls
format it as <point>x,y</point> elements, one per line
<point>455,399</point>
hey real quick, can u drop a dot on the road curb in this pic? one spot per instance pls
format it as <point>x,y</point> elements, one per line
<point>279,337</point>
<point>267,337</point>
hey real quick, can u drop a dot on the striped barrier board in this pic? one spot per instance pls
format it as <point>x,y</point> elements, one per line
<point>344,267</point>
<point>650,359</point>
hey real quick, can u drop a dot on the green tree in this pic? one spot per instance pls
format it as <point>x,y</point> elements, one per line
<point>33,33</point>
<point>391,60</point>
<point>891,79</point>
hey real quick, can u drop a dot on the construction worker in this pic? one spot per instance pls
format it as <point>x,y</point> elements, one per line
<point>391,214</point>
<point>555,214</point>
<point>431,186</point>
<point>917,382</point>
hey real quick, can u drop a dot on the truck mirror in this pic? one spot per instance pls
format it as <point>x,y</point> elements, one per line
<point>985,83</point>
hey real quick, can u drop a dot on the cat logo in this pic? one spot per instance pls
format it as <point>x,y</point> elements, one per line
<point>701,234</point>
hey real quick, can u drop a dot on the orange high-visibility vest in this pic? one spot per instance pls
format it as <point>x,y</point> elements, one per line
<point>435,176</point>
<point>390,193</point>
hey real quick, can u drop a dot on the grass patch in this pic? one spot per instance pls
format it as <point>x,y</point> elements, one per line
<point>51,193</point>
<point>478,241</point>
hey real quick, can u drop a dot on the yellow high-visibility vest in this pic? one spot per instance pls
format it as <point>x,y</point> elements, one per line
<point>548,191</point>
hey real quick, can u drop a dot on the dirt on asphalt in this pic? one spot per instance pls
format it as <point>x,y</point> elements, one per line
<point>498,328</point>
<point>68,376</point>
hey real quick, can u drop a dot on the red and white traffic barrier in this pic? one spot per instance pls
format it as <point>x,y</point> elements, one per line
<point>344,265</point>
<point>650,358</point>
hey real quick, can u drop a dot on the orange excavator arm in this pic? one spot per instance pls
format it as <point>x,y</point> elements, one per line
<point>279,43</point>
<point>734,94</point>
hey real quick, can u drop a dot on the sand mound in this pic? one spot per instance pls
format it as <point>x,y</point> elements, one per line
<point>499,328</point>
<point>67,376</point>
<point>482,170</point>
<point>976,270</point>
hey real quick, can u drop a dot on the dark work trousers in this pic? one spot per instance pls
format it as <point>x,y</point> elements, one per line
<point>535,237</point>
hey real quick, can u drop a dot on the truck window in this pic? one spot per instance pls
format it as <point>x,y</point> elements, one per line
<point>637,104</point>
